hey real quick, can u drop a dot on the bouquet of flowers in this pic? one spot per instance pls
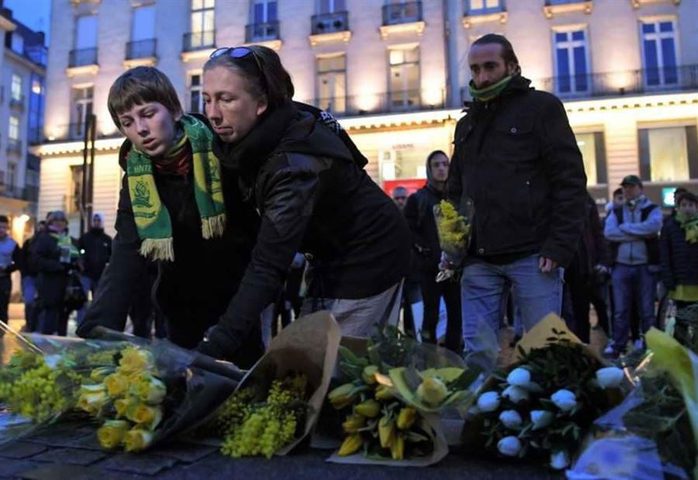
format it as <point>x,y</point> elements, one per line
<point>393,390</point>
<point>454,232</point>
<point>278,402</point>
<point>542,405</point>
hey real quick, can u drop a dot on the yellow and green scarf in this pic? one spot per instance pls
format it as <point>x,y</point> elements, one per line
<point>689,226</point>
<point>152,218</point>
<point>488,93</point>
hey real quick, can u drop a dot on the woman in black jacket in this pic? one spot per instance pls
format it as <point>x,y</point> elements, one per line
<point>313,196</point>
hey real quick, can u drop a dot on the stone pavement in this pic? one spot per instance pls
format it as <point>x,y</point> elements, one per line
<point>70,452</point>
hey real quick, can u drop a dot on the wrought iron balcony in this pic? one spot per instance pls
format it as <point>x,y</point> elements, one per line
<point>82,57</point>
<point>387,102</point>
<point>262,32</point>
<point>610,84</point>
<point>199,40</point>
<point>141,49</point>
<point>396,13</point>
<point>329,23</point>
<point>17,103</point>
<point>14,145</point>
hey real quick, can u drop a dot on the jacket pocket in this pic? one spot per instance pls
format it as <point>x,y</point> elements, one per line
<point>515,141</point>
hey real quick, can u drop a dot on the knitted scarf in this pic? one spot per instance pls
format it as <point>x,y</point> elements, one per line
<point>488,93</point>
<point>689,225</point>
<point>152,218</point>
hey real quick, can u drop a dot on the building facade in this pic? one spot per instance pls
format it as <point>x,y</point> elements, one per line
<point>22,75</point>
<point>395,73</point>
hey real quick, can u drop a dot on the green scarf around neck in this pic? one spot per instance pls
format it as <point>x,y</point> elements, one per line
<point>488,93</point>
<point>689,225</point>
<point>152,218</point>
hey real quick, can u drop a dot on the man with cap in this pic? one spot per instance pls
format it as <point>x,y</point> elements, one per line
<point>95,246</point>
<point>633,232</point>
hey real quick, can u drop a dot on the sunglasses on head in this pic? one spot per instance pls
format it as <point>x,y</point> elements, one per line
<point>239,53</point>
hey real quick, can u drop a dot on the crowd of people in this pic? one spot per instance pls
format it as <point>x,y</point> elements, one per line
<point>263,205</point>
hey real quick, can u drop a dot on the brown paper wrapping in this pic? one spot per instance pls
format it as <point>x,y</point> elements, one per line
<point>309,345</point>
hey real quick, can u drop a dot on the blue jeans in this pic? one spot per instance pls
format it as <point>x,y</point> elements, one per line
<point>632,284</point>
<point>536,294</point>
<point>29,296</point>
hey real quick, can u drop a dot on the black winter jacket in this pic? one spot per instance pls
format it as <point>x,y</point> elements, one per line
<point>52,275</point>
<point>679,259</point>
<point>194,290</point>
<point>96,247</point>
<point>419,212</point>
<point>518,173</point>
<point>314,198</point>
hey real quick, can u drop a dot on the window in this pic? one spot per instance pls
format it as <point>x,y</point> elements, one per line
<point>404,78</point>
<point>13,132</point>
<point>16,87</point>
<point>264,11</point>
<point>659,51</point>
<point>142,44</point>
<point>332,6</point>
<point>86,32</point>
<point>571,62</point>
<point>668,154</point>
<point>17,43</point>
<point>332,83</point>
<point>82,108</point>
<point>202,23</point>
<point>475,7</point>
<point>593,150</point>
<point>196,99</point>
<point>11,178</point>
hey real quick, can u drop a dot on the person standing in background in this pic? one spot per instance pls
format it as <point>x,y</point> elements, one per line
<point>95,246</point>
<point>9,256</point>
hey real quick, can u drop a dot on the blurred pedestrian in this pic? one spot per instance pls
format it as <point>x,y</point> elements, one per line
<point>9,259</point>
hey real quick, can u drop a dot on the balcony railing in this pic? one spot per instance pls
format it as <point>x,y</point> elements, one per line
<point>407,12</point>
<point>609,84</point>
<point>141,49</point>
<point>37,54</point>
<point>199,40</point>
<point>14,145</point>
<point>562,2</point>
<point>470,11</point>
<point>388,102</point>
<point>28,193</point>
<point>329,23</point>
<point>17,103</point>
<point>82,57</point>
<point>262,32</point>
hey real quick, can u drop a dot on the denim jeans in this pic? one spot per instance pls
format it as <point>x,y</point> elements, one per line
<point>632,284</point>
<point>536,294</point>
<point>29,296</point>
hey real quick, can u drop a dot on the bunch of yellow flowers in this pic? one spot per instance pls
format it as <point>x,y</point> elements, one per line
<point>132,393</point>
<point>452,228</point>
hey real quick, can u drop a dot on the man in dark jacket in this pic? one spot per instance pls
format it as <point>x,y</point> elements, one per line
<point>9,256</point>
<point>419,213</point>
<point>95,246</point>
<point>517,173</point>
<point>29,271</point>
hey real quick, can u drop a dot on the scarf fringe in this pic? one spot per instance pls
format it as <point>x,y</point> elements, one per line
<point>213,226</point>
<point>158,249</point>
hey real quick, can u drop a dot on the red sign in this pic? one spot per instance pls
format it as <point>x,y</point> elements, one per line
<point>411,184</point>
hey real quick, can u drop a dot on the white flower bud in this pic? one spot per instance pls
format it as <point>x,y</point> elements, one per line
<point>609,377</point>
<point>519,377</point>
<point>541,419</point>
<point>564,400</point>
<point>515,394</point>
<point>510,419</point>
<point>509,446</point>
<point>559,460</point>
<point>488,402</point>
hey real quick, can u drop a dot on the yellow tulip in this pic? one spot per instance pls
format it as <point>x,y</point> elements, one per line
<point>383,393</point>
<point>117,384</point>
<point>354,423</point>
<point>368,408</point>
<point>149,389</point>
<point>112,433</point>
<point>406,418</point>
<point>92,398</point>
<point>350,445</point>
<point>386,431</point>
<point>397,448</point>
<point>343,395</point>
<point>432,391</point>
<point>137,439</point>
<point>122,406</point>
<point>369,374</point>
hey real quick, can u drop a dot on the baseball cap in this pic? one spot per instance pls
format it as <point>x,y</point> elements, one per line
<point>631,180</point>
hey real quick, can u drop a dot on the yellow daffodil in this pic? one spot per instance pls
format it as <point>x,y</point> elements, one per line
<point>112,433</point>
<point>134,359</point>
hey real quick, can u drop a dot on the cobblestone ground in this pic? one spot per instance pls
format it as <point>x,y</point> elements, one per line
<point>71,452</point>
